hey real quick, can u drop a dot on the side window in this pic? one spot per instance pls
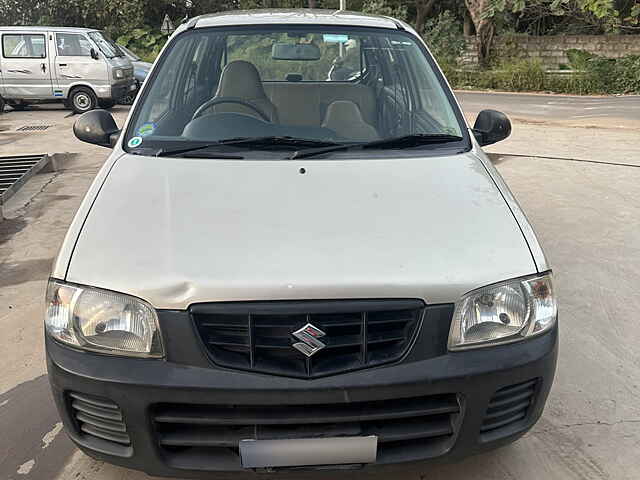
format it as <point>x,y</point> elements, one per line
<point>23,46</point>
<point>72,45</point>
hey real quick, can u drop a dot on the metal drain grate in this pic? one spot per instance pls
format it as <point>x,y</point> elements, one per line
<point>32,128</point>
<point>14,171</point>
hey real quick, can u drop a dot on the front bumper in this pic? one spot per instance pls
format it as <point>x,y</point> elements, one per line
<point>121,89</point>
<point>478,381</point>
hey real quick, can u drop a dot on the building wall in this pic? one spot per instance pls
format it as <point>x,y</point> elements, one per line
<point>551,50</point>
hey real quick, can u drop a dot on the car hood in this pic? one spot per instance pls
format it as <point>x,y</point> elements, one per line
<point>177,231</point>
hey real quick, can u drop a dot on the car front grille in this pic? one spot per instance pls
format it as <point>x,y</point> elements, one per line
<point>257,336</point>
<point>100,423</point>
<point>207,436</point>
<point>508,407</point>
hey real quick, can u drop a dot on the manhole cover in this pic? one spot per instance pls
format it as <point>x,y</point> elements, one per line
<point>32,128</point>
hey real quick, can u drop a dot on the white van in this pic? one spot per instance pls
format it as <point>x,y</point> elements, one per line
<point>78,66</point>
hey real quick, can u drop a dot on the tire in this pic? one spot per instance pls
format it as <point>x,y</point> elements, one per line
<point>82,100</point>
<point>2,104</point>
<point>106,104</point>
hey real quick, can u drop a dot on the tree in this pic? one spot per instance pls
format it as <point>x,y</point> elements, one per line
<point>423,10</point>
<point>482,13</point>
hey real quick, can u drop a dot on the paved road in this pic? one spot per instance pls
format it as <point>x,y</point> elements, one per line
<point>608,111</point>
<point>586,215</point>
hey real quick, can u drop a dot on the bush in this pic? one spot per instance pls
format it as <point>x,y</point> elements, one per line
<point>145,42</point>
<point>598,76</point>
<point>444,37</point>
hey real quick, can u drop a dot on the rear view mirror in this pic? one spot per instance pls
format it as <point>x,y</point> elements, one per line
<point>491,126</point>
<point>295,51</point>
<point>94,54</point>
<point>97,127</point>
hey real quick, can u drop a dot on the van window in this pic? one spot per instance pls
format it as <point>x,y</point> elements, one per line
<point>23,46</point>
<point>72,45</point>
<point>106,45</point>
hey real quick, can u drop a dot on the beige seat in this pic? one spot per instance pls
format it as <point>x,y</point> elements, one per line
<point>344,118</point>
<point>241,79</point>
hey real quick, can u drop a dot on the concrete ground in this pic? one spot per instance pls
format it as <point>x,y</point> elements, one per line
<point>587,217</point>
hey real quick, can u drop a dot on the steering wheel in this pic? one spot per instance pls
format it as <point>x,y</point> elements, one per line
<point>237,100</point>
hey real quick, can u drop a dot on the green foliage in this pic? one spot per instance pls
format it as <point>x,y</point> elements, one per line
<point>578,58</point>
<point>444,37</point>
<point>598,76</point>
<point>145,42</point>
<point>386,7</point>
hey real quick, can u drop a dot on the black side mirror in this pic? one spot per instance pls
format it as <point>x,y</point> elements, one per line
<point>94,54</point>
<point>97,127</point>
<point>491,126</point>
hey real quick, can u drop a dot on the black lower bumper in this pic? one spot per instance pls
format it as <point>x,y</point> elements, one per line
<point>181,421</point>
<point>121,90</point>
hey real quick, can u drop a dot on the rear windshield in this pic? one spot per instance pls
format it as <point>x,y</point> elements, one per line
<point>331,84</point>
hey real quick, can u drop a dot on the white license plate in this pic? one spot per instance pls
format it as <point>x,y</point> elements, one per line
<point>303,452</point>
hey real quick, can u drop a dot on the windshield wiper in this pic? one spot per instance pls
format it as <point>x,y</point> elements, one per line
<point>278,140</point>
<point>249,141</point>
<point>406,141</point>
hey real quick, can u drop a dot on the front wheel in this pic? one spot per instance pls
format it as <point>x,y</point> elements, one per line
<point>82,100</point>
<point>2,104</point>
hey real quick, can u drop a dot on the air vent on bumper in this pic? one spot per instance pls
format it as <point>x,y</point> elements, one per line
<point>508,409</point>
<point>100,424</point>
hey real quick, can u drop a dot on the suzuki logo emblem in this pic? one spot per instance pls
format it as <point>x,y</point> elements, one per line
<point>309,343</point>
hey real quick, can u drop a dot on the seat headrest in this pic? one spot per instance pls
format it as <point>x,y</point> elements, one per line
<point>240,79</point>
<point>343,111</point>
<point>344,117</point>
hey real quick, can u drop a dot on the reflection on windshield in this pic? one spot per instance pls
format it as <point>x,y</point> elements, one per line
<point>106,45</point>
<point>335,85</point>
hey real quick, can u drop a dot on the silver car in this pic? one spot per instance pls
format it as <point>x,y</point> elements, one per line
<point>80,67</point>
<point>297,256</point>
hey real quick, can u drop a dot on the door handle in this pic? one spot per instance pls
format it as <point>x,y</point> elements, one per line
<point>62,64</point>
<point>19,71</point>
<point>43,67</point>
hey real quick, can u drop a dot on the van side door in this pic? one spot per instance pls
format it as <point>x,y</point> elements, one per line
<point>74,64</point>
<point>25,66</point>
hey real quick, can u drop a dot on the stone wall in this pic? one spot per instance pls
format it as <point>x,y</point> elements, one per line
<point>551,50</point>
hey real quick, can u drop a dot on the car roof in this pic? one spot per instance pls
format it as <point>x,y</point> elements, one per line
<point>48,29</point>
<point>302,16</point>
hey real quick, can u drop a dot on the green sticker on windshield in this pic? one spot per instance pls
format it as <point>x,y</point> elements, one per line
<point>147,129</point>
<point>333,38</point>
<point>135,142</point>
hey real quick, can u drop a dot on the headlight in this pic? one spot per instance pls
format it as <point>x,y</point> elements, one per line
<point>503,313</point>
<point>102,321</point>
<point>118,73</point>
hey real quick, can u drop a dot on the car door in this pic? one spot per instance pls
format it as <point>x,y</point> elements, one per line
<point>25,66</point>
<point>74,63</point>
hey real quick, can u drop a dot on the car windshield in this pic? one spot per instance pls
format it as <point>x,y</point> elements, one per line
<point>273,87</point>
<point>132,56</point>
<point>105,44</point>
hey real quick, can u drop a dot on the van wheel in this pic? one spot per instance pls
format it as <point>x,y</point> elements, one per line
<point>82,100</point>
<point>106,104</point>
<point>2,104</point>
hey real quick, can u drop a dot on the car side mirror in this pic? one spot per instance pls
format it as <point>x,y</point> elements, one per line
<point>94,54</point>
<point>491,126</point>
<point>97,127</point>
